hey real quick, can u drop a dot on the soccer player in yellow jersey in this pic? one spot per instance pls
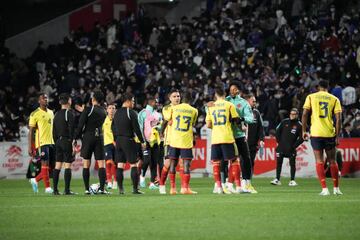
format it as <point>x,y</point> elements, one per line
<point>41,122</point>
<point>109,147</point>
<point>174,97</point>
<point>219,118</point>
<point>183,117</point>
<point>322,106</point>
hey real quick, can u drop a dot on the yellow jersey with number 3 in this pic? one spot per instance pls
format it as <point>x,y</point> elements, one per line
<point>183,117</point>
<point>108,134</point>
<point>220,116</point>
<point>42,121</point>
<point>322,106</point>
<point>166,112</point>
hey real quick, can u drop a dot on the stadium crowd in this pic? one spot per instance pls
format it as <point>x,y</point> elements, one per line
<point>280,56</point>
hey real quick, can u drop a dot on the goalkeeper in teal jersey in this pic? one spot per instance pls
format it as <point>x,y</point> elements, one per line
<point>240,134</point>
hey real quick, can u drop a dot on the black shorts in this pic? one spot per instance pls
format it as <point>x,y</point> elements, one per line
<point>285,155</point>
<point>323,143</point>
<point>225,151</point>
<point>64,151</point>
<point>46,153</point>
<point>109,151</point>
<point>90,145</point>
<point>126,150</point>
<point>176,153</point>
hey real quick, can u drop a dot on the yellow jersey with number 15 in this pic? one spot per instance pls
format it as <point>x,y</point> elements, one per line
<point>42,121</point>
<point>220,116</point>
<point>323,106</point>
<point>183,117</point>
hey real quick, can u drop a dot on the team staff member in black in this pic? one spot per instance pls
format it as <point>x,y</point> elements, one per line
<point>90,126</point>
<point>289,137</point>
<point>125,126</point>
<point>63,133</point>
<point>256,132</point>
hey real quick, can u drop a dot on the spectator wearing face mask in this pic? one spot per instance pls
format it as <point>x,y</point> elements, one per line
<point>346,131</point>
<point>356,123</point>
<point>314,46</point>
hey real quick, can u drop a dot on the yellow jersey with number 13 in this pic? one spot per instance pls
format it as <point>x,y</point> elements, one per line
<point>183,117</point>
<point>322,106</point>
<point>220,116</point>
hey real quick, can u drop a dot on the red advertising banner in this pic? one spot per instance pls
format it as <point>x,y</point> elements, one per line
<point>305,160</point>
<point>14,159</point>
<point>350,151</point>
<point>200,155</point>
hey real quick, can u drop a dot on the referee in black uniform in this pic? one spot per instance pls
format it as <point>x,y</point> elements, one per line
<point>63,134</point>
<point>90,127</point>
<point>289,137</point>
<point>125,126</point>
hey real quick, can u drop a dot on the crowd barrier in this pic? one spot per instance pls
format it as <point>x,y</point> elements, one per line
<point>14,160</point>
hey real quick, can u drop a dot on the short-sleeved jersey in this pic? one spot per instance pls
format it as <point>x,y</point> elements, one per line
<point>42,121</point>
<point>220,116</point>
<point>183,117</point>
<point>108,134</point>
<point>323,106</point>
<point>166,112</point>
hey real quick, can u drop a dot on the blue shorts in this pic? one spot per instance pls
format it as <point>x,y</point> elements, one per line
<point>323,143</point>
<point>176,153</point>
<point>225,151</point>
<point>46,153</point>
<point>109,152</point>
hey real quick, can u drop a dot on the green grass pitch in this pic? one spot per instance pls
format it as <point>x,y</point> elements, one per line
<point>277,212</point>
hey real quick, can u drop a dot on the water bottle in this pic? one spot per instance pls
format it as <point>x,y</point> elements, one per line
<point>261,149</point>
<point>261,152</point>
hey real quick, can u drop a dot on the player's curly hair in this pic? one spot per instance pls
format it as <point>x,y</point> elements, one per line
<point>234,83</point>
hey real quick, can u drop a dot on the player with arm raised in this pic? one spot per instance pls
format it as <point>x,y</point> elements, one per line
<point>322,106</point>
<point>219,118</point>
<point>183,118</point>
<point>90,129</point>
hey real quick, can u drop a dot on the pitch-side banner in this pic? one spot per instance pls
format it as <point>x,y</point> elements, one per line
<point>265,165</point>
<point>14,159</point>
